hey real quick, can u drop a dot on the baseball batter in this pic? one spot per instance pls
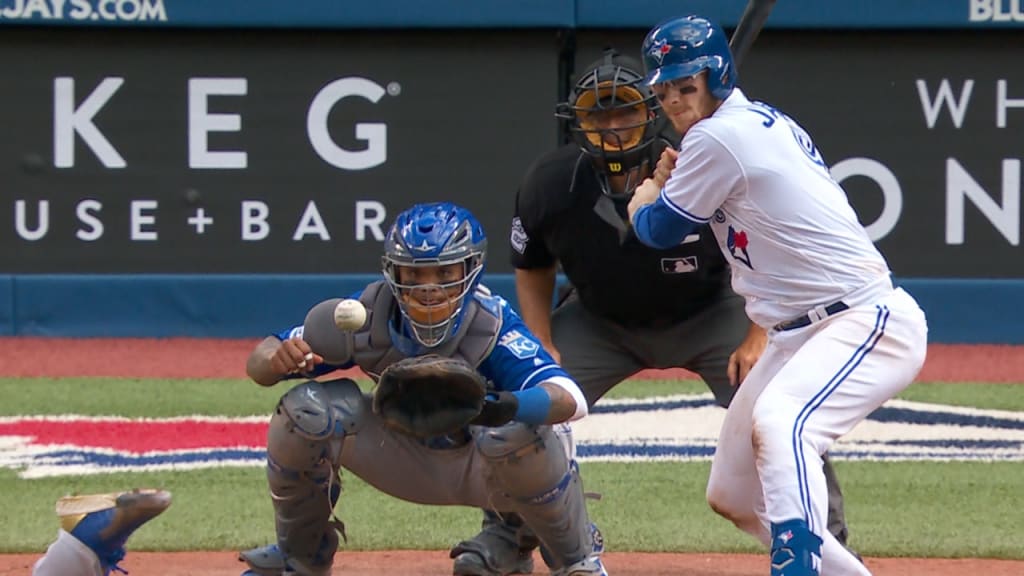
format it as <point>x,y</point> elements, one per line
<point>841,339</point>
<point>632,307</point>
<point>429,303</point>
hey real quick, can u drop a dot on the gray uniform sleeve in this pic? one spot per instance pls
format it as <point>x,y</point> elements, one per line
<point>323,337</point>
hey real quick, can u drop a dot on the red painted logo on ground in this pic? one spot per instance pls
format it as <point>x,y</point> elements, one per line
<point>54,445</point>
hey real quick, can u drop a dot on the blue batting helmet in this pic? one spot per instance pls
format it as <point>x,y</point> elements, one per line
<point>434,236</point>
<point>682,47</point>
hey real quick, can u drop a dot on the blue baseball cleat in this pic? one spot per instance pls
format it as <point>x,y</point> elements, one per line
<point>103,522</point>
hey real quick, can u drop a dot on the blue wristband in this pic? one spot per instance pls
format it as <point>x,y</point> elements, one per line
<point>534,405</point>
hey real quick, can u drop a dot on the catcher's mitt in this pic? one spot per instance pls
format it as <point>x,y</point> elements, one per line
<point>430,395</point>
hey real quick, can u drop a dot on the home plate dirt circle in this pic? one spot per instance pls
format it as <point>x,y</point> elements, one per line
<point>437,563</point>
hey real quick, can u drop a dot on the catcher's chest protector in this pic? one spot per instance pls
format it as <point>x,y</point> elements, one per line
<point>373,350</point>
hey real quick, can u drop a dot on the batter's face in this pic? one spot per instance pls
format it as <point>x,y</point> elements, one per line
<point>686,101</point>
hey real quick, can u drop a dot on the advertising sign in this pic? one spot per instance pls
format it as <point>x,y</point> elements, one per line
<point>272,152</point>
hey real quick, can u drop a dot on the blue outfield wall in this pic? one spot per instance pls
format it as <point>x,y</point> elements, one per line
<point>244,306</point>
<point>448,14</point>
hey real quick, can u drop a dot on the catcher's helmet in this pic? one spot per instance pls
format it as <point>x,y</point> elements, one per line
<point>430,237</point>
<point>682,47</point>
<point>612,115</point>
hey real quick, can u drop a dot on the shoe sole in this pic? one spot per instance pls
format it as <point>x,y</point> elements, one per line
<point>470,564</point>
<point>137,505</point>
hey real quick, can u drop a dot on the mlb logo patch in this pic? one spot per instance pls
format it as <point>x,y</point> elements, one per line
<point>682,265</point>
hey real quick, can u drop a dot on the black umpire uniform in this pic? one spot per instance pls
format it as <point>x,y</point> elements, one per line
<point>632,307</point>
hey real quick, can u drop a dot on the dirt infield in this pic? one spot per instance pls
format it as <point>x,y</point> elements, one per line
<point>436,563</point>
<point>193,358</point>
<point>186,358</point>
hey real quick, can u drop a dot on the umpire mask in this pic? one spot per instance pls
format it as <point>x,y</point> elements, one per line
<point>612,116</point>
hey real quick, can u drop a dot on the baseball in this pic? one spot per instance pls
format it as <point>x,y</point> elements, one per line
<point>349,315</point>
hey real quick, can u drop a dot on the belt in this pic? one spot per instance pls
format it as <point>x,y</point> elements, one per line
<point>809,318</point>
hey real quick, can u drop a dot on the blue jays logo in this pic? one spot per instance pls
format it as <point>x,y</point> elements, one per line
<point>520,346</point>
<point>42,446</point>
<point>737,244</point>
<point>659,49</point>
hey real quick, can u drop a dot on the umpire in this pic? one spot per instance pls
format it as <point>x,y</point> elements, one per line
<point>631,307</point>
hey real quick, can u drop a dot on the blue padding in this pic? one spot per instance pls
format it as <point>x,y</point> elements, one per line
<point>970,311</point>
<point>218,306</point>
<point>246,306</point>
<point>394,14</point>
<point>7,327</point>
<point>812,14</point>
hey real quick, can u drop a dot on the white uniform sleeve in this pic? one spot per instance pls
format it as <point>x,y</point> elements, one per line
<point>573,389</point>
<point>706,173</point>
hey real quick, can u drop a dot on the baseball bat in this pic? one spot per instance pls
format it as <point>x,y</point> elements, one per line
<point>751,22</point>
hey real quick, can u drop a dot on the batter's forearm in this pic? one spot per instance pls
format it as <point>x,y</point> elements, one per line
<point>535,288</point>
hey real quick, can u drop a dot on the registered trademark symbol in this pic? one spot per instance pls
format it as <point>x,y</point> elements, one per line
<point>394,88</point>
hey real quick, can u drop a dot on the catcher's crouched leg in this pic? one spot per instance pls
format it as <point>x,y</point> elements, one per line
<point>304,444</point>
<point>529,466</point>
<point>504,546</point>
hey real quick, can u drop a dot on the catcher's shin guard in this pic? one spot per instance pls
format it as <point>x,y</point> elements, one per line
<point>796,551</point>
<point>504,546</point>
<point>304,444</point>
<point>529,465</point>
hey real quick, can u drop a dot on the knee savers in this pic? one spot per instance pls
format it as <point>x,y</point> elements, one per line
<point>524,460</point>
<point>310,422</point>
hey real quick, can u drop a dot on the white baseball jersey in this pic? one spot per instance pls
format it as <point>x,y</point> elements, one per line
<point>791,236</point>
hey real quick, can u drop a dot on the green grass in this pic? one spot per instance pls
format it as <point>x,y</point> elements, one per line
<point>894,509</point>
<point>956,509</point>
<point>978,395</point>
<point>161,398</point>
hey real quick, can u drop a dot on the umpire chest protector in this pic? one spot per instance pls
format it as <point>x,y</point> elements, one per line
<point>373,349</point>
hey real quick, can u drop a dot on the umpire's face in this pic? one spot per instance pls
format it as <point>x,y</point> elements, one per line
<point>686,101</point>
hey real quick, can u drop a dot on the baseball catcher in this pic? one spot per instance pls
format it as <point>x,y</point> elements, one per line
<point>462,411</point>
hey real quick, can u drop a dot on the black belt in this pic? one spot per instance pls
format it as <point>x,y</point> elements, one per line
<point>805,320</point>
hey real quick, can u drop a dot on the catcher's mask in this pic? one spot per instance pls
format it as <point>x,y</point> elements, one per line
<point>433,257</point>
<point>612,116</point>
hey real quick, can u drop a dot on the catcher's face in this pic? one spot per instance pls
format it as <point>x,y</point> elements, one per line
<point>432,294</point>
